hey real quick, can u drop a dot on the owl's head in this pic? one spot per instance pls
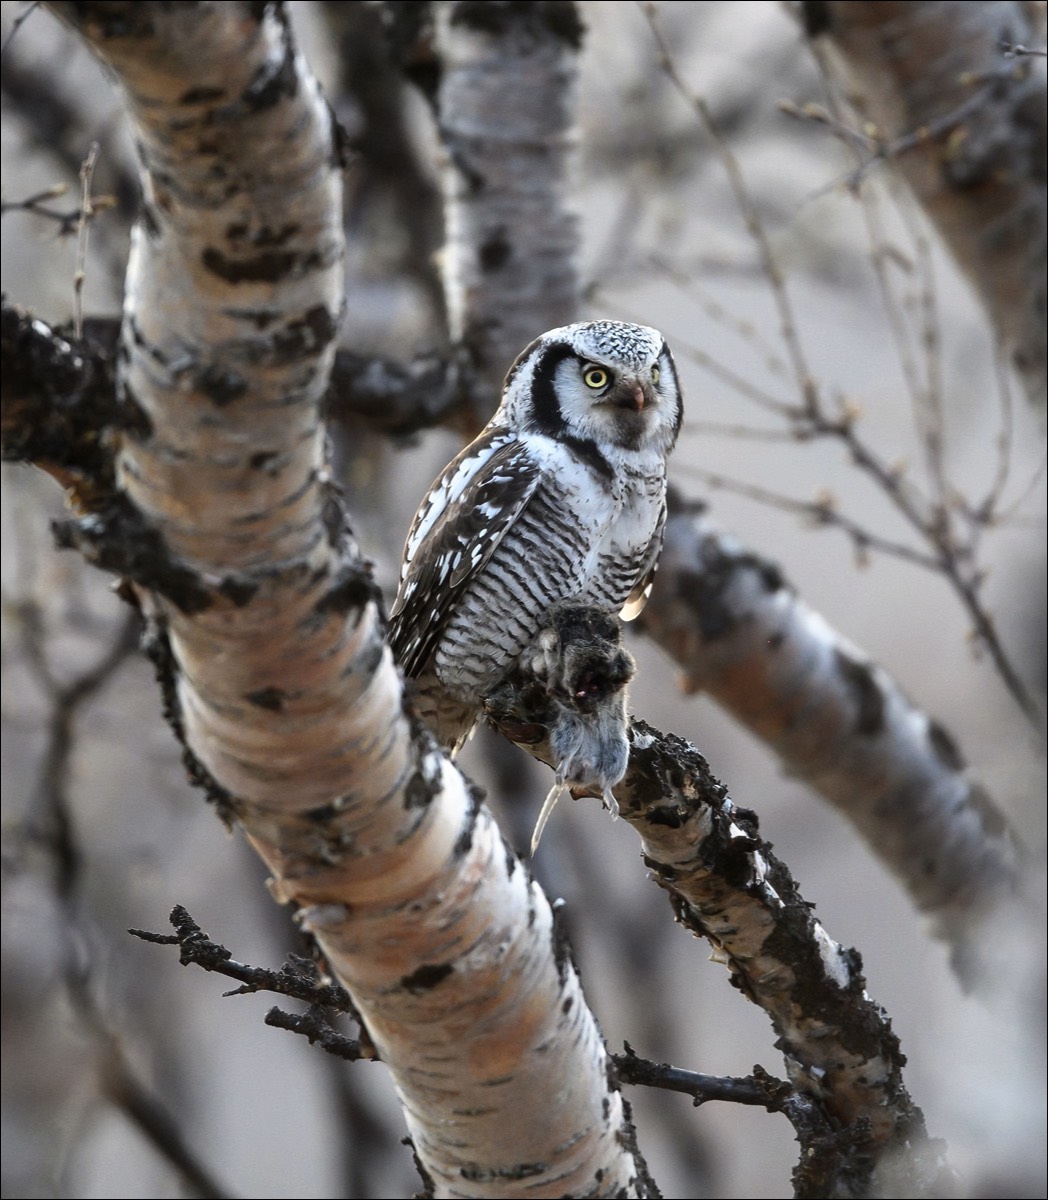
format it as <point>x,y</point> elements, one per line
<point>606,382</point>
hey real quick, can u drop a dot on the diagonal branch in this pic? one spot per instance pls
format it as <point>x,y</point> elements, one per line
<point>727,886</point>
<point>737,630</point>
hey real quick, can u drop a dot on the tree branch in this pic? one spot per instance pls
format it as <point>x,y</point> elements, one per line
<point>736,629</point>
<point>727,886</point>
<point>52,826</point>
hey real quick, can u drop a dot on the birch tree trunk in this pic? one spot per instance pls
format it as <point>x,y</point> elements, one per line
<point>267,631</point>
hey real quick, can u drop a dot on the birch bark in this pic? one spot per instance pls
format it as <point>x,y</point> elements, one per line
<point>267,631</point>
<point>736,629</point>
<point>507,109</point>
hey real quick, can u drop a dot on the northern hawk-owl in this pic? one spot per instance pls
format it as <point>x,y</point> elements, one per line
<point>562,496</point>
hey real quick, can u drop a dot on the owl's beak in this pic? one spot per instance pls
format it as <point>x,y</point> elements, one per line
<point>632,395</point>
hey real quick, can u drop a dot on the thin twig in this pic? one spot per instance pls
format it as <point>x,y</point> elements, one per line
<point>313,1025</point>
<point>929,416</point>
<point>17,24</point>
<point>931,516</point>
<point>1014,50</point>
<point>759,1089</point>
<point>821,512</point>
<point>725,374</point>
<point>36,205</point>
<point>87,171</point>
<point>986,512</point>
<point>746,432</point>
<point>296,979</point>
<point>881,152</point>
<point>745,329</point>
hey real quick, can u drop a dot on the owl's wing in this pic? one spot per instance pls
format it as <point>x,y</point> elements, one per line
<point>641,590</point>
<point>456,530</point>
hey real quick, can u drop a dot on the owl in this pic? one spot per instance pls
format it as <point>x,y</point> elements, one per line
<point>562,496</point>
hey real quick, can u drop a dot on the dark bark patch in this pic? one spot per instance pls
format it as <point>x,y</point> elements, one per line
<point>260,318</point>
<point>324,813</point>
<point>351,590</point>
<point>539,18</point>
<point>704,591</point>
<point>771,577</point>
<point>464,841</point>
<point>516,1171</point>
<point>642,1184</point>
<point>561,943</point>
<point>866,694</point>
<point>271,698</point>
<point>495,251</point>
<point>428,976</point>
<point>367,661</point>
<point>270,84</point>
<point>118,538</point>
<point>201,95</point>
<point>945,748</point>
<point>239,589</point>
<point>59,403</point>
<point>265,235</point>
<point>132,417</point>
<point>420,790</point>
<point>815,15</point>
<point>270,461</point>
<point>270,267</point>
<point>221,385</point>
<point>662,871</point>
<point>335,517</point>
<point>157,647</point>
<point>147,347</point>
<point>308,335</point>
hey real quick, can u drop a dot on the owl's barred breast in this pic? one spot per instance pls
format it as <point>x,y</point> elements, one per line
<point>571,543</point>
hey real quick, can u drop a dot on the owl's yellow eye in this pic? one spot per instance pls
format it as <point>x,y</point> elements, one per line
<point>596,378</point>
<point>655,376</point>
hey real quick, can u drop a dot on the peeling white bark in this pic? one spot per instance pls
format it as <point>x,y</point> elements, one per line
<point>267,631</point>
